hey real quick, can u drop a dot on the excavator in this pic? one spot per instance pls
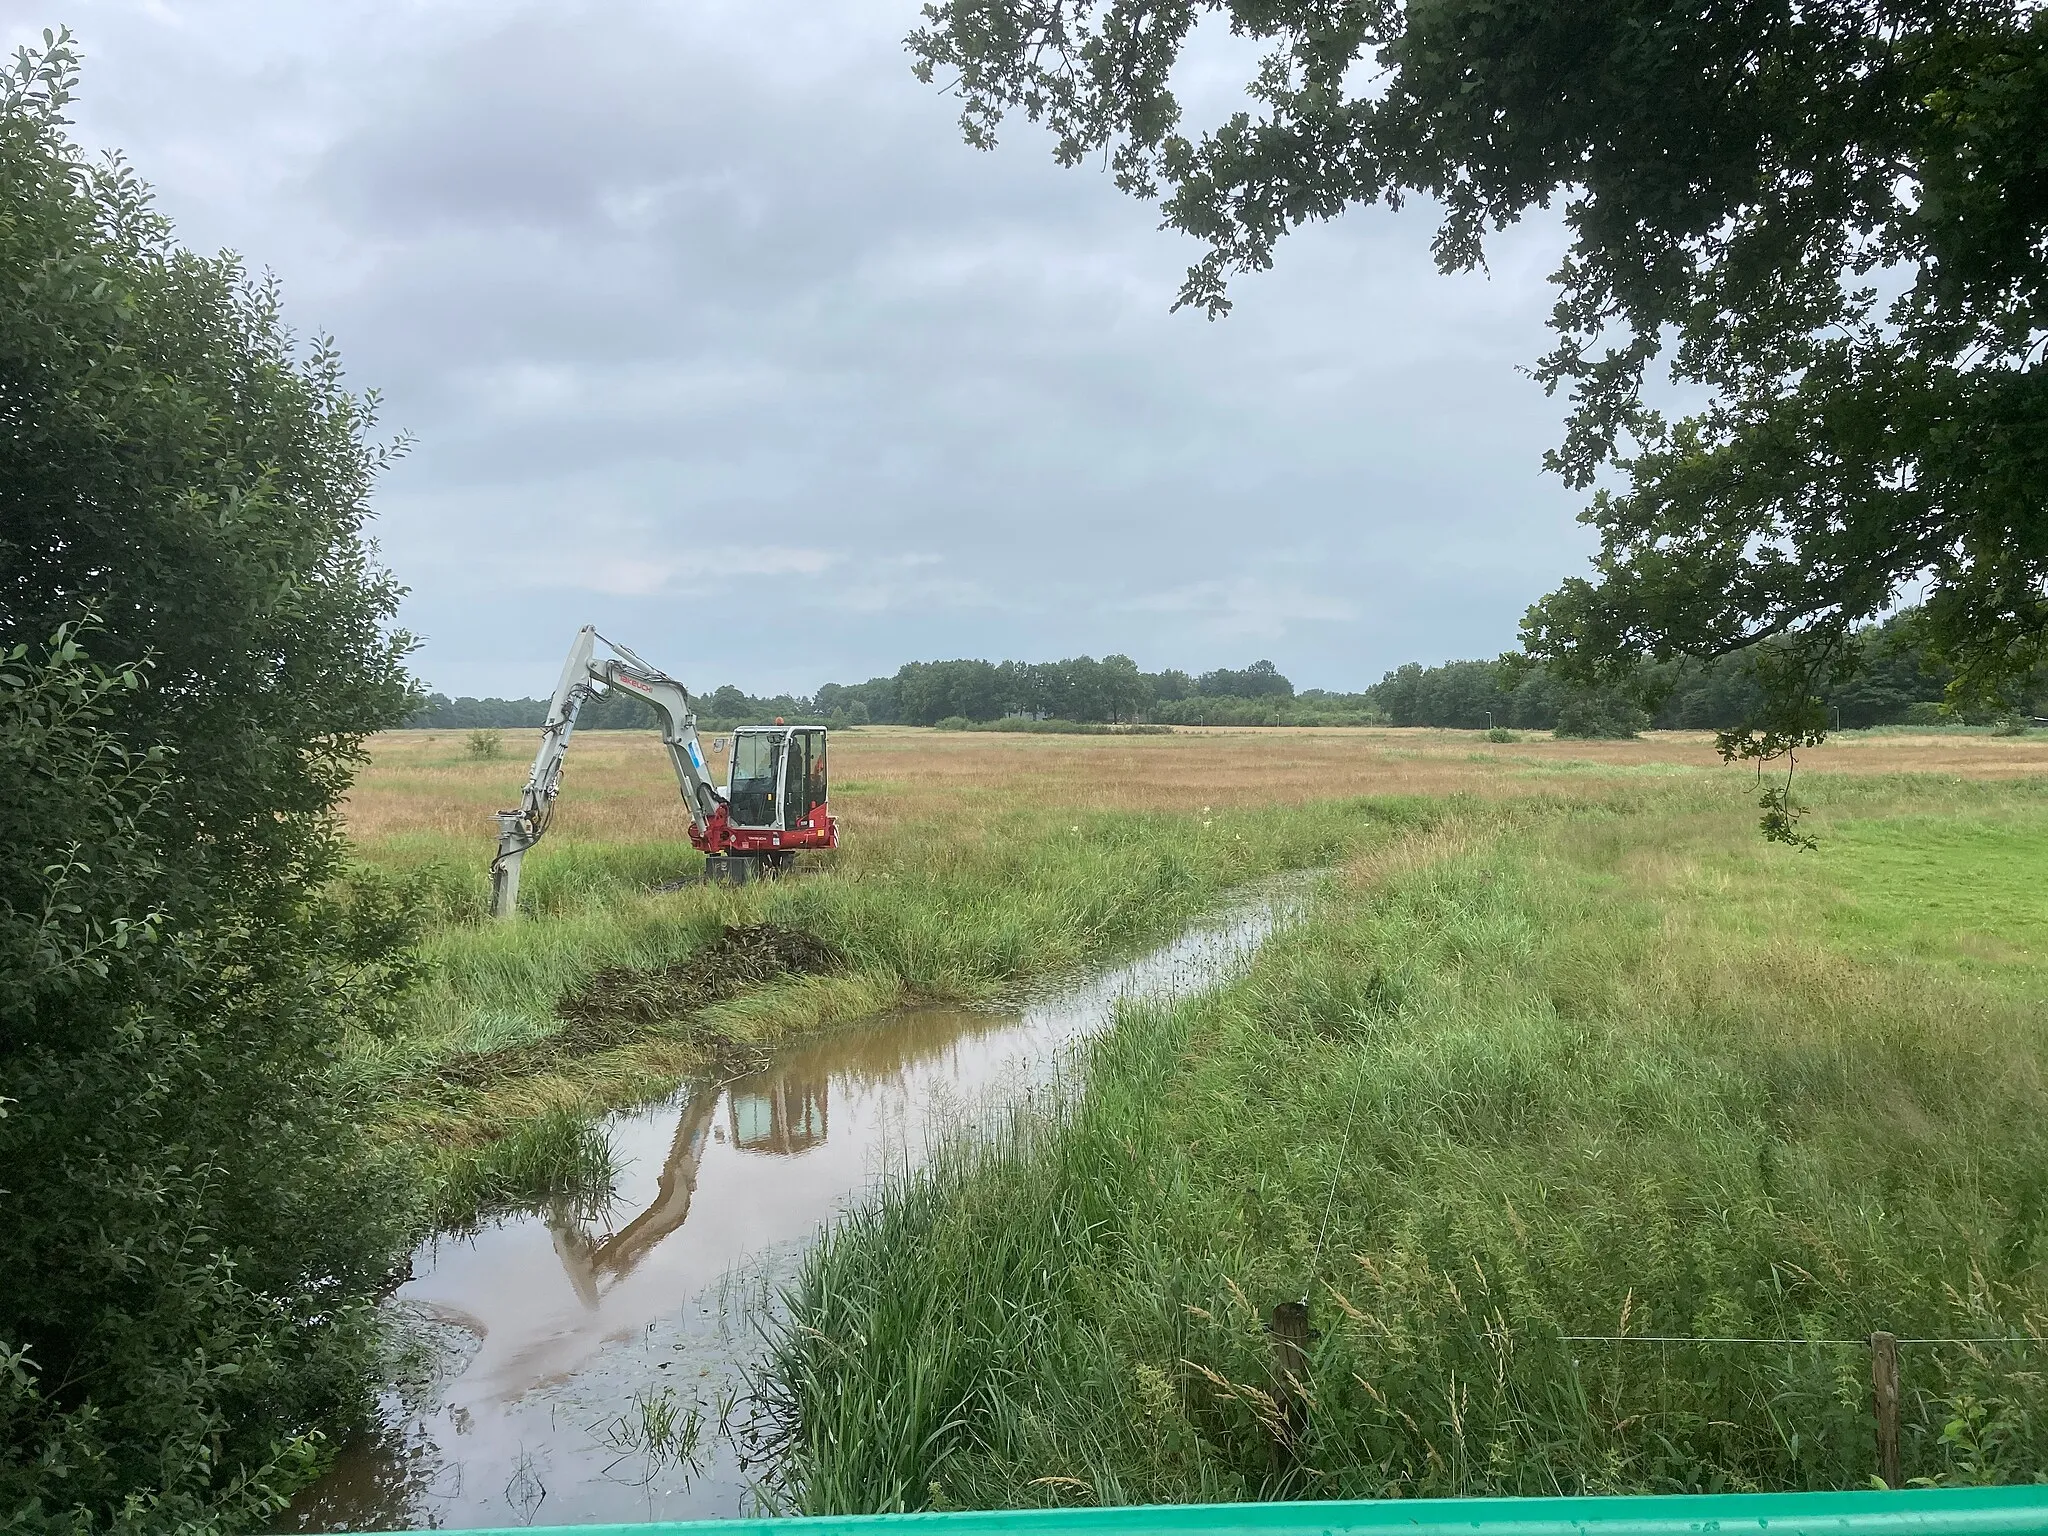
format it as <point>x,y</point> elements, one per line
<point>772,807</point>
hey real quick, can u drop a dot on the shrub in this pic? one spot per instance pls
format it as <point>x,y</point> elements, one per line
<point>1218,710</point>
<point>1598,716</point>
<point>486,746</point>
<point>190,1228</point>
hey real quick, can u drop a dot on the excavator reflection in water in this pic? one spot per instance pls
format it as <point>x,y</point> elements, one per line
<point>785,1117</point>
<point>780,1113</point>
<point>659,1306</point>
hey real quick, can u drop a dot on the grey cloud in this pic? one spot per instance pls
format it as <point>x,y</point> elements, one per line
<point>690,303</point>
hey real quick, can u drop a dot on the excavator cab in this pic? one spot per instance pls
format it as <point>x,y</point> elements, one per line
<point>775,803</point>
<point>778,781</point>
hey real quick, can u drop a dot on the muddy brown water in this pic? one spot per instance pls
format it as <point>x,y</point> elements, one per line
<point>550,1343</point>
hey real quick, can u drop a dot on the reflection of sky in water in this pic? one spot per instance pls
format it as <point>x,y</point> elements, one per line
<point>550,1331</point>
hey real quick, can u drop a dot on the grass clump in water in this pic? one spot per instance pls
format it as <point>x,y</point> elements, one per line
<point>557,1158</point>
<point>1612,1076</point>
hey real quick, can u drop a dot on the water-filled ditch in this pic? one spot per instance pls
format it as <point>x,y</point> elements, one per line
<point>580,1366</point>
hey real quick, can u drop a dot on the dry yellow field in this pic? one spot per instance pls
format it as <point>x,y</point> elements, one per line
<point>618,785</point>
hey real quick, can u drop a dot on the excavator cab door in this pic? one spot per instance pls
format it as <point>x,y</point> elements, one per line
<point>803,777</point>
<point>755,789</point>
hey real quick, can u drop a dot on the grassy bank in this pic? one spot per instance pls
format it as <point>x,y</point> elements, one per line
<point>959,890</point>
<point>1543,1069</point>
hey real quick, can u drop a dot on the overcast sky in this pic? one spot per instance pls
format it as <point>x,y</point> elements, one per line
<point>712,332</point>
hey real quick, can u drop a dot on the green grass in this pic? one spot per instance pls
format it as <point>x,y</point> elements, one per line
<point>1967,888</point>
<point>964,910</point>
<point>1612,1069</point>
<point>552,1159</point>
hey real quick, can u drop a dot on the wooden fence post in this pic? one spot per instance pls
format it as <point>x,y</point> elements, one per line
<point>1884,1392</point>
<point>1288,1327</point>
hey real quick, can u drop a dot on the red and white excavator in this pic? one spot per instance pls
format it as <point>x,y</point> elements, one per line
<point>773,804</point>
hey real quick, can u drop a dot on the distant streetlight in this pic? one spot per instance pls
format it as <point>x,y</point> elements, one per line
<point>1489,719</point>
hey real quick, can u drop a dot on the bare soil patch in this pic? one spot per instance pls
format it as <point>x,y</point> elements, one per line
<point>624,996</point>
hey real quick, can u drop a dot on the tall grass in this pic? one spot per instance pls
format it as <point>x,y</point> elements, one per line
<point>1616,1071</point>
<point>959,908</point>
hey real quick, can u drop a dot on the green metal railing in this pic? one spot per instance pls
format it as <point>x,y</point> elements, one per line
<point>1910,1512</point>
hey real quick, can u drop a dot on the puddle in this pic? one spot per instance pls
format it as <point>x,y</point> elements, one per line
<point>562,1345</point>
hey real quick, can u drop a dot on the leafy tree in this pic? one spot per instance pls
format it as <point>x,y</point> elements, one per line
<point>1260,680</point>
<point>1170,685</point>
<point>1893,674</point>
<point>1598,715</point>
<point>877,698</point>
<point>1461,695</point>
<point>1124,689</point>
<point>190,1227</point>
<point>1082,693</point>
<point>439,712</point>
<point>930,691</point>
<point>1270,710</point>
<point>1826,220</point>
<point>1894,671</point>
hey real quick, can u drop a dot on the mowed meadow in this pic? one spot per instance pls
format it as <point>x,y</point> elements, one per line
<point>1596,1131</point>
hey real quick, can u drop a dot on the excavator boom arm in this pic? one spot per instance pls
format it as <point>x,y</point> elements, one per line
<point>583,675</point>
<point>678,731</point>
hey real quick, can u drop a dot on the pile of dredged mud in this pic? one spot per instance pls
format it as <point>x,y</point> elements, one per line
<point>625,1003</point>
<point>742,958</point>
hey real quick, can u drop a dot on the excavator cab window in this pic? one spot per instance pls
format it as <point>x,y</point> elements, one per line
<point>814,786</point>
<point>757,778</point>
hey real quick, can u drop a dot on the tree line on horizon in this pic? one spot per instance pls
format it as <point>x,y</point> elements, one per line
<point>1895,680</point>
<point>1079,688</point>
